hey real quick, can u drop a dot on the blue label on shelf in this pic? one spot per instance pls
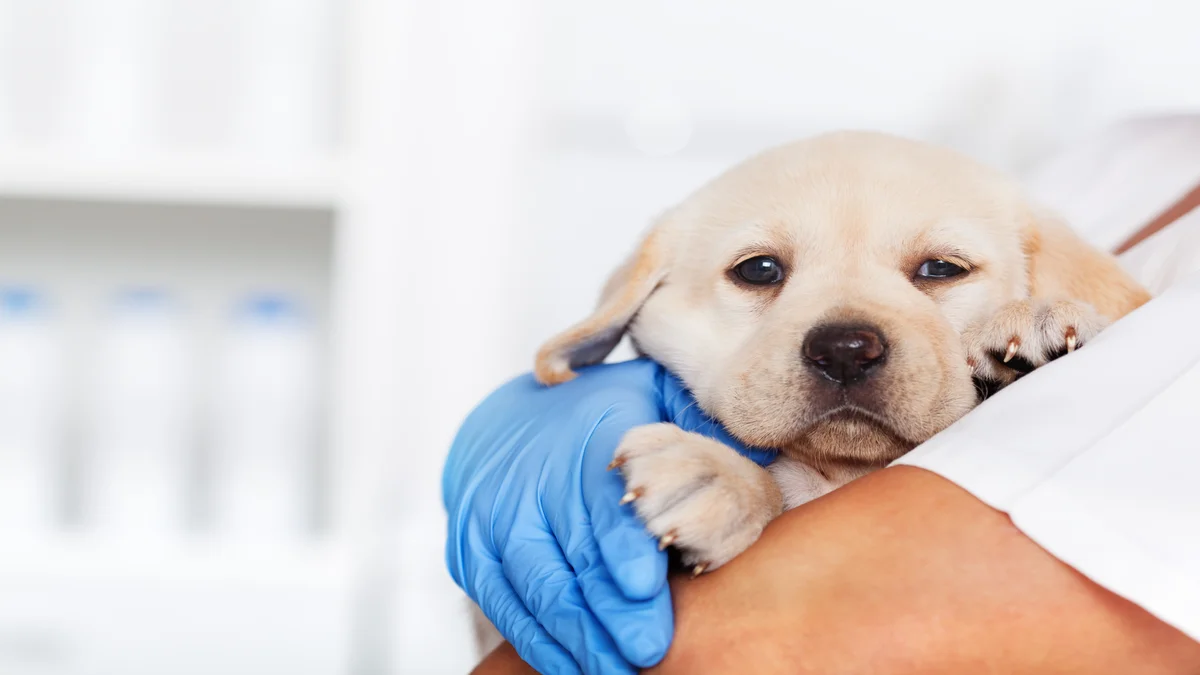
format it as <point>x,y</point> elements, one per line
<point>144,297</point>
<point>17,301</point>
<point>270,308</point>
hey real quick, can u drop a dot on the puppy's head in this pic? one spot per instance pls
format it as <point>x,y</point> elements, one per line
<point>813,297</point>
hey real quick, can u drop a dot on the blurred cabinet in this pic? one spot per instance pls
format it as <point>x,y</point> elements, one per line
<point>173,509</point>
<point>171,201</point>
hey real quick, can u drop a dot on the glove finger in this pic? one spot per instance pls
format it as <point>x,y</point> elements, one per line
<point>641,625</point>
<point>549,588</point>
<point>641,629</point>
<point>631,555</point>
<point>503,607</point>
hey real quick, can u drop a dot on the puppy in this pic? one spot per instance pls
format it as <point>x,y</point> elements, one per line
<point>841,299</point>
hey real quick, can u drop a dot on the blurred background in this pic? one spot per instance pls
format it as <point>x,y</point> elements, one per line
<point>258,258</point>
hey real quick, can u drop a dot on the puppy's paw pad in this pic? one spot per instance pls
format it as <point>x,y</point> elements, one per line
<point>695,494</point>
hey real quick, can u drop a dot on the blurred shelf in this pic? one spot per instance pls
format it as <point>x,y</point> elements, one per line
<point>174,179</point>
<point>302,563</point>
<point>76,606</point>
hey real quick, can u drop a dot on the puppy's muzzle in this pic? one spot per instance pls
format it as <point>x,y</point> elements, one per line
<point>845,354</point>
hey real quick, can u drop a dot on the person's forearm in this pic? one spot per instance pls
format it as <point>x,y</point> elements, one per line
<point>503,661</point>
<point>901,572</point>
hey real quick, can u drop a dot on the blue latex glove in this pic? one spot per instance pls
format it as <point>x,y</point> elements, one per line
<point>537,536</point>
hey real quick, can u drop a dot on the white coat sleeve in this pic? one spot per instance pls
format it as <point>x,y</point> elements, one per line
<point>1096,457</point>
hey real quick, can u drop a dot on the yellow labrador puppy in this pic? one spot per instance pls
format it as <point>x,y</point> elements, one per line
<point>842,299</point>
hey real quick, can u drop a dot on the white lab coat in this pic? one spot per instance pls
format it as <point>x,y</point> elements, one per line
<point>1096,457</point>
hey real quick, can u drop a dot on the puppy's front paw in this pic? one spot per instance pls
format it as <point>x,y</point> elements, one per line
<point>1025,335</point>
<point>695,494</point>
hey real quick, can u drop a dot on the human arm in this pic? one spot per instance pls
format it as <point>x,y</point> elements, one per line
<point>902,571</point>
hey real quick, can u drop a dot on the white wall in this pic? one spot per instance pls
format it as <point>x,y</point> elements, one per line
<point>916,67</point>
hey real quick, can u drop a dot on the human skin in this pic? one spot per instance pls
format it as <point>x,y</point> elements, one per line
<point>904,572</point>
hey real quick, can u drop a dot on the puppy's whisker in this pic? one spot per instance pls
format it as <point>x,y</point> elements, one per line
<point>678,415</point>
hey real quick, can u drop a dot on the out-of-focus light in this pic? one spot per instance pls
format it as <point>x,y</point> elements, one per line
<point>659,125</point>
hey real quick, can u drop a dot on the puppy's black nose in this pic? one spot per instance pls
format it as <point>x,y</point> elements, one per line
<point>844,353</point>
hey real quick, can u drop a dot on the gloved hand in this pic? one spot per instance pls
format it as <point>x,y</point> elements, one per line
<point>537,536</point>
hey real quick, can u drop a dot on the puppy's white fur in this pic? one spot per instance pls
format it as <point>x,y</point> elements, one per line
<point>851,216</point>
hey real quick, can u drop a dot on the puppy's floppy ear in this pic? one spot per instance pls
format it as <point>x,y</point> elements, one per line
<point>595,337</point>
<point>1062,266</point>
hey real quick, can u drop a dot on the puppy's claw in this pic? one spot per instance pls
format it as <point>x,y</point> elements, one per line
<point>667,539</point>
<point>699,569</point>
<point>617,461</point>
<point>1072,339</point>
<point>1013,345</point>
<point>630,496</point>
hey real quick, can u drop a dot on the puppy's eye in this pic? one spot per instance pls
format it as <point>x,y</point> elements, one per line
<point>938,269</point>
<point>760,270</point>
